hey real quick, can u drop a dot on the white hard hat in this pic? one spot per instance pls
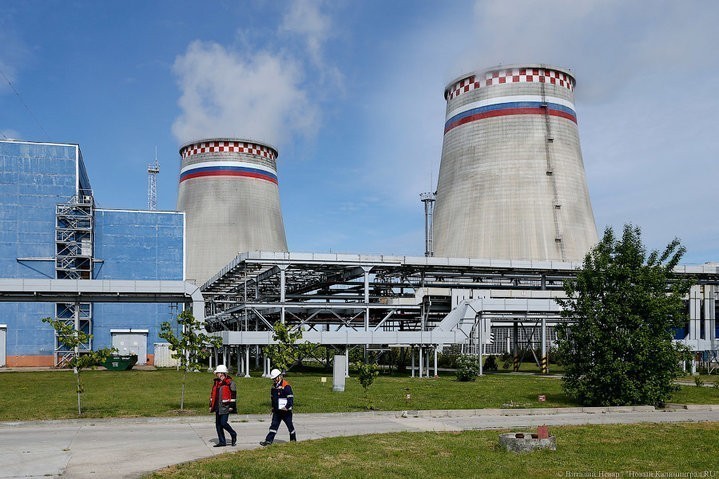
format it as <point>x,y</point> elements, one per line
<point>221,368</point>
<point>274,373</point>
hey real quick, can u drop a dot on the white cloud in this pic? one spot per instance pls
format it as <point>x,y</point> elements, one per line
<point>311,22</point>
<point>606,42</point>
<point>305,18</point>
<point>10,134</point>
<point>256,96</point>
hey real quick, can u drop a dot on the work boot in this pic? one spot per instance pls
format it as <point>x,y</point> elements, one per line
<point>265,443</point>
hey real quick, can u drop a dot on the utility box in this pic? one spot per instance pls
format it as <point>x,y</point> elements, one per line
<point>163,356</point>
<point>338,373</point>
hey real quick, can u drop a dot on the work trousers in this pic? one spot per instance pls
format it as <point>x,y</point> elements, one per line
<point>277,418</point>
<point>222,425</point>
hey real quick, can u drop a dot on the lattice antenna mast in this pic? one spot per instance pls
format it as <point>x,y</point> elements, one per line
<point>152,170</point>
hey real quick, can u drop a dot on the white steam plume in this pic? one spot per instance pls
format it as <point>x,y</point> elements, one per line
<point>228,94</point>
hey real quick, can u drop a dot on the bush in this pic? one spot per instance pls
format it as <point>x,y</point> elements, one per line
<point>490,364</point>
<point>467,368</point>
<point>507,360</point>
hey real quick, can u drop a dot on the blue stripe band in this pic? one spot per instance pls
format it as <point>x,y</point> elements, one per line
<point>510,105</point>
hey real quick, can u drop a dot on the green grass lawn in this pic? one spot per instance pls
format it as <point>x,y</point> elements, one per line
<point>582,451</point>
<point>51,394</point>
<point>709,379</point>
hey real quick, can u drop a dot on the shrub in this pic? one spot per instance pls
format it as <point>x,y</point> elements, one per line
<point>467,368</point>
<point>507,360</point>
<point>490,364</point>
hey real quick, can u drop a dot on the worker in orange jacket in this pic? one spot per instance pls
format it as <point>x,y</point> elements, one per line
<point>283,399</point>
<point>222,403</point>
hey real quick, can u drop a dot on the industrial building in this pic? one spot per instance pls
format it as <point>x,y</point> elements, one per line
<point>50,228</point>
<point>513,219</point>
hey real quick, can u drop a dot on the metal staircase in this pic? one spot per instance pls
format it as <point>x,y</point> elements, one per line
<point>74,228</point>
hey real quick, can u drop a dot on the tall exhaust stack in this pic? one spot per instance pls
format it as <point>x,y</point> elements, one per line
<point>230,196</point>
<point>511,182</point>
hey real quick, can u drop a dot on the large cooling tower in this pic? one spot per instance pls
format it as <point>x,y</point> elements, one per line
<point>511,182</point>
<point>228,191</point>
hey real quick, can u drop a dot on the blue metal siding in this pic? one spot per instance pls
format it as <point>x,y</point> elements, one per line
<point>27,335</point>
<point>34,178</point>
<point>134,245</point>
<point>137,245</point>
<point>83,186</point>
<point>141,245</point>
<point>130,316</point>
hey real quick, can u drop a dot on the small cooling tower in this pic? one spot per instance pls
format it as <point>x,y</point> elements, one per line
<point>511,182</point>
<point>228,191</point>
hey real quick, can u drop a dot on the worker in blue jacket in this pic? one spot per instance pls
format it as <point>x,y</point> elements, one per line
<point>282,401</point>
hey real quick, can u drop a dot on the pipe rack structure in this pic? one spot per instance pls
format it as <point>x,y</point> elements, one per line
<point>379,301</point>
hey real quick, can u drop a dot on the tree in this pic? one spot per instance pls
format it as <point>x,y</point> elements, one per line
<point>618,346</point>
<point>286,352</point>
<point>366,373</point>
<point>190,347</point>
<point>72,339</point>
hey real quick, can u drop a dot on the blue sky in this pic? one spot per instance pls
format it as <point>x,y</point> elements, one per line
<point>350,92</point>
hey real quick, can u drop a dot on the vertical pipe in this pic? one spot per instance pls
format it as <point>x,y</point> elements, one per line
<point>479,346</point>
<point>515,333</point>
<point>412,361</point>
<point>435,362</point>
<point>694,312</point>
<point>428,199</point>
<point>247,361</point>
<point>421,362</point>
<point>366,297</point>
<point>283,281</point>
<point>709,313</point>
<point>545,360</point>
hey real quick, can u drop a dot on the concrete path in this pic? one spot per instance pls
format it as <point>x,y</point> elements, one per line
<point>127,448</point>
